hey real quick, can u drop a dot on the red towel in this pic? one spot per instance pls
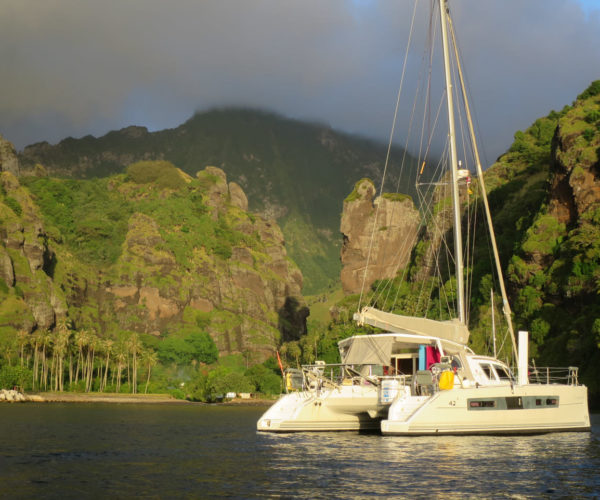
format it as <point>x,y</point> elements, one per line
<point>432,356</point>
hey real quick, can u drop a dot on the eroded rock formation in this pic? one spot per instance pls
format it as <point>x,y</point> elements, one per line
<point>26,262</point>
<point>239,295</point>
<point>8,157</point>
<point>575,185</point>
<point>378,230</point>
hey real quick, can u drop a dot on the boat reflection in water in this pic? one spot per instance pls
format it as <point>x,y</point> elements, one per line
<point>212,451</point>
<point>351,465</point>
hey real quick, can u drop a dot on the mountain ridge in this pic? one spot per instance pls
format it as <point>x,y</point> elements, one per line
<point>296,172</point>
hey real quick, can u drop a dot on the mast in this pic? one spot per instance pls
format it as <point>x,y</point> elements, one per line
<point>493,319</point>
<point>505,304</point>
<point>458,258</point>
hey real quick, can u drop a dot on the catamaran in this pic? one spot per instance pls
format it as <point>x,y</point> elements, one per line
<point>421,378</point>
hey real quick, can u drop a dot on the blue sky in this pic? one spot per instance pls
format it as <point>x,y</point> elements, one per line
<point>77,67</point>
<point>590,5</point>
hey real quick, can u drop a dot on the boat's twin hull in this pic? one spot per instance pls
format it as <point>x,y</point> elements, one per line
<point>350,408</point>
<point>530,409</point>
<point>527,409</point>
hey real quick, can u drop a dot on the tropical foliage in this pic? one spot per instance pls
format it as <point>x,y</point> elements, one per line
<point>83,361</point>
<point>546,212</point>
<point>551,262</point>
<point>85,224</point>
<point>297,172</point>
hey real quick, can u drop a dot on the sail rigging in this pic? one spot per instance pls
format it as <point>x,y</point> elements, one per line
<point>421,378</point>
<point>458,290</point>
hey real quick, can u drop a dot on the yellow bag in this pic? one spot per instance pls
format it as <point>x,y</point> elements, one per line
<point>446,380</point>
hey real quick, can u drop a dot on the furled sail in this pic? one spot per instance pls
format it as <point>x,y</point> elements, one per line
<point>452,330</point>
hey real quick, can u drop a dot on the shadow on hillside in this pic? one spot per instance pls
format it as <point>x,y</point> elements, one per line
<point>292,320</point>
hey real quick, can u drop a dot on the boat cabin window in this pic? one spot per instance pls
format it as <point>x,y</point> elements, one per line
<point>502,373</point>
<point>487,370</point>
<point>455,363</point>
<point>495,373</point>
<point>405,363</point>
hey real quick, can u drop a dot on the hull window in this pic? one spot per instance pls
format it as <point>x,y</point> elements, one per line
<point>513,403</point>
<point>482,404</point>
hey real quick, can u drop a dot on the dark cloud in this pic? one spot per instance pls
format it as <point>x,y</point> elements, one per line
<point>73,67</point>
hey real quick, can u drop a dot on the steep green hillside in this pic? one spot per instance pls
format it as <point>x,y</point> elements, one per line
<point>544,195</point>
<point>298,173</point>
<point>150,267</point>
<point>554,266</point>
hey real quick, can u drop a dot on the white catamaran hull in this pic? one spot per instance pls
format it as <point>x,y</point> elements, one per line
<point>347,408</point>
<point>528,409</point>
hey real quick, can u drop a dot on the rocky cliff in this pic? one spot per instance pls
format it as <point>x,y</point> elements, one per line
<point>545,198</point>
<point>298,173</point>
<point>575,162</point>
<point>549,185</point>
<point>8,157</point>
<point>379,230</point>
<point>544,194</point>
<point>188,255</point>
<point>30,298</point>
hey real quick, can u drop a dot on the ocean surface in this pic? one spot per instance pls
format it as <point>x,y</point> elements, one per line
<point>204,451</point>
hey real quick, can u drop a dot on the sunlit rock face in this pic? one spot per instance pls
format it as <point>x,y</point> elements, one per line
<point>378,231</point>
<point>8,157</point>
<point>239,292</point>
<point>32,300</point>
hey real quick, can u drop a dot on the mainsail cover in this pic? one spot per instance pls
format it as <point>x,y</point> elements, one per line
<point>452,330</point>
<point>367,349</point>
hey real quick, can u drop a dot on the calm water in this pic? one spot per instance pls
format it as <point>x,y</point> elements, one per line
<point>95,451</point>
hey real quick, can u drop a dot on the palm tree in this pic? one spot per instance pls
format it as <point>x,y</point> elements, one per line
<point>22,341</point>
<point>134,346</point>
<point>9,347</point>
<point>71,350</point>
<point>37,342</point>
<point>92,345</point>
<point>121,356</point>
<point>81,340</point>
<point>64,339</point>
<point>62,343</point>
<point>151,358</point>
<point>295,351</point>
<point>108,347</point>
<point>46,344</point>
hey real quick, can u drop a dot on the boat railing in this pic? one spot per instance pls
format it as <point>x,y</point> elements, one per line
<point>553,375</point>
<point>319,375</point>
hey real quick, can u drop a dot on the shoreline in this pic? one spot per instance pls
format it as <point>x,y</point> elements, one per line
<point>77,397</point>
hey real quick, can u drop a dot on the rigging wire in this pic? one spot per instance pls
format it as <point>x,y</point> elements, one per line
<point>410,35</point>
<point>426,196</point>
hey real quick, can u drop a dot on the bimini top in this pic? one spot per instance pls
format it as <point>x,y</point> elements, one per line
<point>452,330</point>
<point>378,349</point>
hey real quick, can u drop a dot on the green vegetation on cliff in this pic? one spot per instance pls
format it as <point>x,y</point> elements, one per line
<point>297,172</point>
<point>148,271</point>
<point>549,213</point>
<point>544,195</point>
